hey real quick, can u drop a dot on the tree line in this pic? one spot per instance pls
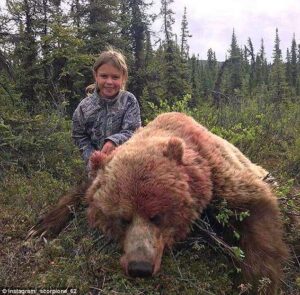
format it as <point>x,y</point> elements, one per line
<point>48,46</point>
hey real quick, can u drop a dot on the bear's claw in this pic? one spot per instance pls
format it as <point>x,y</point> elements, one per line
<point>37,230</point>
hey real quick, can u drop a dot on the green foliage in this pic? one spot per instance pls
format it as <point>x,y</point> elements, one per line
<point>285,188</point>
<point>66,66</point>
<point>180,105</point>
<point>264,132</point>
<point>225,216</point>
<point>239,253</point>
<point>235,67</point>
<point>38,143</point>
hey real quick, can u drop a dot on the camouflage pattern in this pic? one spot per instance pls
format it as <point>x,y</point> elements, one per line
<point>97,120</point>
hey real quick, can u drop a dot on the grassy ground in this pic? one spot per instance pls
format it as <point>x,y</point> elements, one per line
<point>82,259</point>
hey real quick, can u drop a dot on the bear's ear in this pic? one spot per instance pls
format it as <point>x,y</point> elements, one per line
<point>174,150</point>
<point>98,161</point>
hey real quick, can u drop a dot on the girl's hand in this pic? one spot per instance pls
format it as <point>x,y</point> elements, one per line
<point>108,147</point>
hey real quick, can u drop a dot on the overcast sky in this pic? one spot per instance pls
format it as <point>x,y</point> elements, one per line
<point>211,23</point>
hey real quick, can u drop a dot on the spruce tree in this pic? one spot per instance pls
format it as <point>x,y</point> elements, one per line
<point>23,15</point>
<point>76,13</point>
<point>135,26</point>
<point>210,72</point>
<point>184,51</point>
<point>185,34</point>
<point>278,83</point>
<point>262,71</point>
<point>253,67</point>
<point>195,81</point>
<point>168,20</point>
<point>288,68</point>
<point>298,71</point>
<point>173,78</point>
<point>235,69</point>
<point>294,66</point>
<point>100,29</point>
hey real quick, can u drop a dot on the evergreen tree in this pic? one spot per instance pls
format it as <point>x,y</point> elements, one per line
<point>298,71</point>
<point>288,68</point>
<point>23,14</point>
<point>277,55</point>
<point>76,13</point>
<point>235,69</point>
<point>101,25</point>
<point>50,20</point>
<point>8,41</point>
<point>149,52</point>
<point>168,20</point>
<point>253,68</point>
<point>210,72</point>
<point>184,51</point>
<point>278,83</point>
<point>185,34</point>
<point>66,64</point>
<point>262,71</point>
<point>152,74</point>
<point>217,94</point>
<point>173,73</point>
<point>195,80</point>
<point>136,28</point>
<point>294,66</point>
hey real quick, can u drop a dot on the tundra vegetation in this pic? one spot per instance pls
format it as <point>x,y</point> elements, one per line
<point>46,52</point>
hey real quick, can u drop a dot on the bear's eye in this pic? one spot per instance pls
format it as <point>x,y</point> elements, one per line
<point>156,219</point>
<point>124,222</point>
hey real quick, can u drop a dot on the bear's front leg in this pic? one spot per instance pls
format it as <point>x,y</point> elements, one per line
<point>261,236</point>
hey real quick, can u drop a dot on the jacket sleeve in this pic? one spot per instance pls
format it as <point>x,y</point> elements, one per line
<point>79,135</point>
<point>131,122</point>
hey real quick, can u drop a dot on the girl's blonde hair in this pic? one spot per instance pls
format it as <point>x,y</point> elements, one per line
<point>116,59</point>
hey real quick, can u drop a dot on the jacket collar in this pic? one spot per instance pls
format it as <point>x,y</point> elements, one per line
<point>106,101</point>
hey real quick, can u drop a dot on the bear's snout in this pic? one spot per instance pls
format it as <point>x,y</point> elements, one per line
<point>140,269</point>
<point>143,247</point>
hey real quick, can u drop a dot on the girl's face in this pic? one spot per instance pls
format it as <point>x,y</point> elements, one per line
<point>109,80</point>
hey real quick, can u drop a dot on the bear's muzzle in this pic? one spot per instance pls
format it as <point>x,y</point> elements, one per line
<point>143,248</point>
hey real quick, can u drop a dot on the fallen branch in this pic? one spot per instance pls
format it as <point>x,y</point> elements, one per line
<point>206,229</point>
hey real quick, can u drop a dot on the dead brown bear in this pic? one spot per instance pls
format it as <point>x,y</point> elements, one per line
<point>151,189</point>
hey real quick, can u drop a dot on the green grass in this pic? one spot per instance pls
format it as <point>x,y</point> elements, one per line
<point>81,258</point>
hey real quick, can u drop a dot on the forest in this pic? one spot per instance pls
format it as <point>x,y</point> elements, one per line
<point>47,49</point>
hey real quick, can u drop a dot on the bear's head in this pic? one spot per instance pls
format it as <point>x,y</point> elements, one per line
<point>147,197</point>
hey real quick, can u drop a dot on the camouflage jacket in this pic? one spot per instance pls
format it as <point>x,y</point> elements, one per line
<point>97,119</point>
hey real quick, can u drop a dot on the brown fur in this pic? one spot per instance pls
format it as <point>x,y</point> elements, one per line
<point>53,222</point>
<point>151,189</point>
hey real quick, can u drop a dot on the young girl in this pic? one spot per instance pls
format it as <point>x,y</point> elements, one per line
<point>109,116</point>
